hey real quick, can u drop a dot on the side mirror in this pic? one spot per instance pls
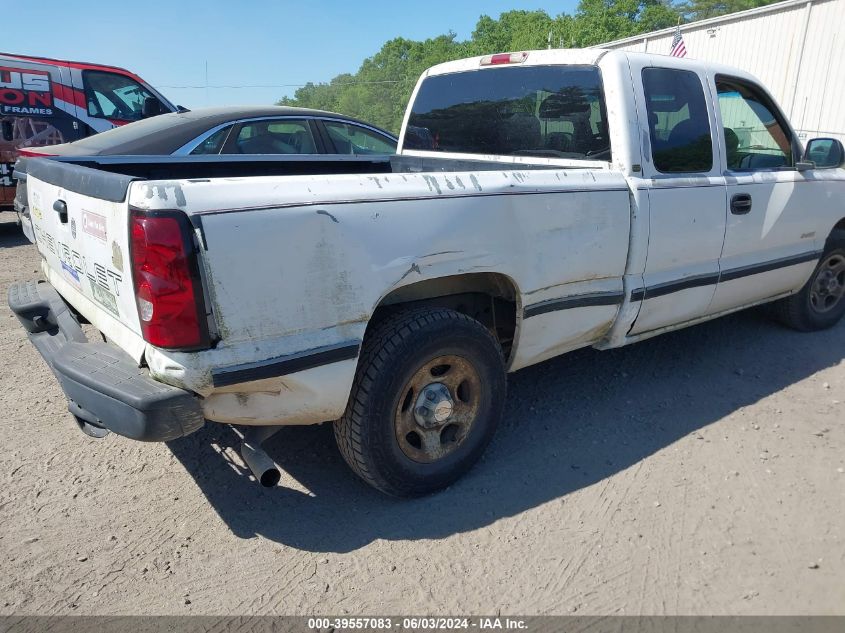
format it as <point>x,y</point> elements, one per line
<point>8,130</point>
<point>824,153</point>
<point>151,107</point>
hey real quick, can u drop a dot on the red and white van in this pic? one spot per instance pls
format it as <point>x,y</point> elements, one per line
<point>49,101</point>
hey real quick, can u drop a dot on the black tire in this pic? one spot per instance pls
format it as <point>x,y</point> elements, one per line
<point>798,311</point>
<point>394,353</point>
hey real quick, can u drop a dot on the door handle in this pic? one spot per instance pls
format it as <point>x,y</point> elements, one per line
<point>741,203</point>
<point>60,207</point>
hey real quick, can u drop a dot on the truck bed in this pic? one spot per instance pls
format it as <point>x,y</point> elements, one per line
<point>338,238</point>
<point>196,167</point>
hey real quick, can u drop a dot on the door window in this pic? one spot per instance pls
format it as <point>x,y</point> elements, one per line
<point>755,138</point>
<point>214,143</point>
<point>348,138</point>
<point>679,124</point>
<point>114,96</point>
<point>281,136</point>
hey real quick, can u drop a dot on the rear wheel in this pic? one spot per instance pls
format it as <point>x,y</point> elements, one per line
<point>427,397</point>
<point>820,304</point>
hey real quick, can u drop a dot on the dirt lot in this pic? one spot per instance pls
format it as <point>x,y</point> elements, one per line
<point>702,472</point>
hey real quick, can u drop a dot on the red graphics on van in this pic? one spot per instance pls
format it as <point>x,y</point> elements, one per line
<point>47,101</point>
<point>25,92</point>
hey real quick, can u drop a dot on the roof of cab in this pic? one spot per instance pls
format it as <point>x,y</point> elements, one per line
<point>590,57</point>
<point>579,56</point>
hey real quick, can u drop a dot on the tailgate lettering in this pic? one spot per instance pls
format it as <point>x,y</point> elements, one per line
<point>84,254</point>
<point>76,265</point>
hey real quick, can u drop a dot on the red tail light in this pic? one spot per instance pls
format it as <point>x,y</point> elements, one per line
<point>166,277</point>
<point>504,58</point>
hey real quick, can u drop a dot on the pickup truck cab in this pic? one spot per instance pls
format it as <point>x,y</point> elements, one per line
<point>540,202</point>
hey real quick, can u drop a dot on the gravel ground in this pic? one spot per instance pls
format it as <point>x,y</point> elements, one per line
<point>702,472</point>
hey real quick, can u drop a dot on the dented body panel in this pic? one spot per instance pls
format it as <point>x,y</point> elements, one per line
<point>588,252</point>
<point>337,257</point>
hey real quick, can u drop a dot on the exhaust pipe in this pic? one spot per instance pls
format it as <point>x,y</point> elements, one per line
<point>259,462</point>
<point>263,468</point>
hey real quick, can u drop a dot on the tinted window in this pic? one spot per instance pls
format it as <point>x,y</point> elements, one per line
<point>550,111</point>
<point>754,138</point>
<point>214,143</point>
<point>349,138</point>
<point>679,125</point>
<point>280,136</point>
<point>114,96</point>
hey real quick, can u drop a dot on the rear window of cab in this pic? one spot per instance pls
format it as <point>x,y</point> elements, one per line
<point>542,111</point>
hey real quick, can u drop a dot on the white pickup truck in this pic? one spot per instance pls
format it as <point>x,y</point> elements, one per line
<point>539,202</point>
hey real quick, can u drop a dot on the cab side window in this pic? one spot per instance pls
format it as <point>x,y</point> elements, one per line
<point>114,96</point>
<point>678,122</point>
<point>755,138</point>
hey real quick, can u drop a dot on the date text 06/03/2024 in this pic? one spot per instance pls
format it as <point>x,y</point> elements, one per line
<point>417,623</point>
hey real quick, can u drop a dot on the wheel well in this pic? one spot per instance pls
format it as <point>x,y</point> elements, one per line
<point>840,226</point>
<point>489,298</point>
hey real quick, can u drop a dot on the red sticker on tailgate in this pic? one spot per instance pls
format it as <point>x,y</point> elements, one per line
<point>94,224</point>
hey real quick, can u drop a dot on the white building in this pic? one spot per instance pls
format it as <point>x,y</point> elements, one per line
<point>796,48</point>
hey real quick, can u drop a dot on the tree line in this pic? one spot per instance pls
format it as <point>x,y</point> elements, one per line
<point>379,91</point>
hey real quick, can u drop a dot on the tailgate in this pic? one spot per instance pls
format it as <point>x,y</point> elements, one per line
<point>80,218</point>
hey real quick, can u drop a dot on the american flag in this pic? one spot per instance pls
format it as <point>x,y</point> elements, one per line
<point>678,47</point>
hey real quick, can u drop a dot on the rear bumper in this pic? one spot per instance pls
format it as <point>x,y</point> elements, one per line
<point>103,385</point>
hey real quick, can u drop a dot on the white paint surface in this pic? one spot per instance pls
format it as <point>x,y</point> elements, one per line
<point>295,263</point>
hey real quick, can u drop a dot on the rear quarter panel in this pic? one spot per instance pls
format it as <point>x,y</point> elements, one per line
<point>297,263</point>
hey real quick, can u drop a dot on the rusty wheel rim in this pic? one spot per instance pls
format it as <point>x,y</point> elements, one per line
<point>448,388</point>
<point>829,284</point>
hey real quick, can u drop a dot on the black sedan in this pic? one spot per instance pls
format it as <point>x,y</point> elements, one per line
<point>233,130</point>
<point>223,131</point>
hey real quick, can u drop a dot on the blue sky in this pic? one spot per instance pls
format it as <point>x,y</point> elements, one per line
<point>245,43</point>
